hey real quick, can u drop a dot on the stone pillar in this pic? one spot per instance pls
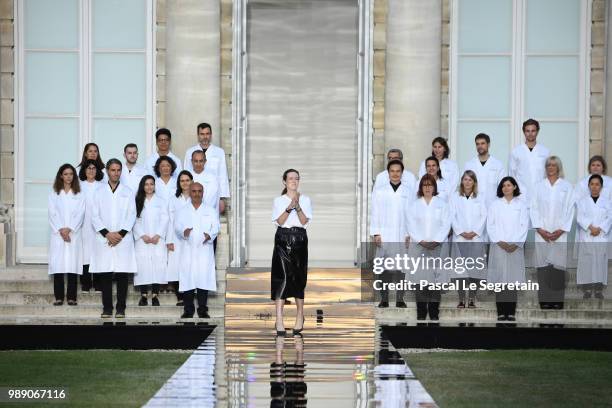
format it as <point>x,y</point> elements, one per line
<point>192,69</point>
<point>412,96</point>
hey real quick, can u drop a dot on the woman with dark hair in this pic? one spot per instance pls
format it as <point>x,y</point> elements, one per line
<point>594,218</point>
<point>165,183</point>
<point>443,187</point>
<point>173,242</point>
<point>469,217</point>
<point>149,237</point>
<point>448,167</point>
<point>429,222</point>
<point>507,226</point>
<point>90,177</point>
<point>92,152</point>
<point>66,214</point>
<point>291,213</point>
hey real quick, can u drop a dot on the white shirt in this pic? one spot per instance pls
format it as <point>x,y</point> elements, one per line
<point>165,190</point>
<point>527,168</point>
<point>428,222</point>
<point>215,158</point>
<point>468,215</point>
<point>280,205</point>
<point>131,178</point>
<point>508,221</point>
<point>382,179</point>
<point>450,172</point>
<point>152,159</point>
<point>488,176</point>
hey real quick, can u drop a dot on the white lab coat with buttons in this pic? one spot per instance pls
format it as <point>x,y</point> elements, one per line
<point>114,212</point>
<point>197,266</point>
<point>382,179</point>
<point>88,231</point>
<point>388,218</point>
<point>215,159</point>
<point>66,210</point>
<point>175,204</point>
<point>151,259</point>
<point>450,172</point>
<point>592,251</point>
<point>469,215</point>
<point>527,168</point>
<point>488,176</point>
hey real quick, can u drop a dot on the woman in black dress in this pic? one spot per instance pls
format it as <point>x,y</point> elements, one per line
<point>292,212</point>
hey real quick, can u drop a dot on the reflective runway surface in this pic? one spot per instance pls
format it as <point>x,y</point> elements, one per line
<point>340,361</point>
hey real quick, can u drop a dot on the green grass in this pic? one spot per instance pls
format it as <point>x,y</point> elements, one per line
<point>93,378</point>
<point>517,378</point>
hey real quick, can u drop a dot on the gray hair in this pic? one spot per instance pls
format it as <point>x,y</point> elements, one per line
<point>396,151</point>
<point>557,162</point>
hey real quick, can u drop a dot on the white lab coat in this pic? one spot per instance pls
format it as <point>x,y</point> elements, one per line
<point>592,251</point>
<point>215,158</point>
<point>450,172</point>
<point>152,159</point>
<point>552,208</point>
<point>445,189</point>
<point>507,222</point>
<point>88,231</point>
<point>469,215</point>
<point>388,218</point>
<point>408,179</point>
<point>488,176</point>
<point>428,222</point>
<point>527,168</point>
<point>211,188</point>
<point>165,190</point>
<point>175,204</point>
<point>197,266</point>
<point>151,259</point>
<point>66,210</point>
<point>114,212</point>
<point>131,178</point>
<point>582,187</point>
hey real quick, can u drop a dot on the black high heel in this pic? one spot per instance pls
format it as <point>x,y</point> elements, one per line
<point>298,331</point>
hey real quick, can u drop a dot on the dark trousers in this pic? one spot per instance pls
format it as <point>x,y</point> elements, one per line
<point>175,286</point>
<point>58,286</point>
<point>472,293</point>
<point>215,245</point>
<point>392,277</point>
<point>505,301</point>
<point>106,280</point>
<point>552,286</point>
<point>144,289</point>
<point>428,301</point>
<point>202,296</point>
<point>89,280</point>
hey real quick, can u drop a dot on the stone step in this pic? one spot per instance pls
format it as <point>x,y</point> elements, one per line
<point>46,286</point>
<point>95,310</point>
<point>96,320</point>
<point>93,298</point>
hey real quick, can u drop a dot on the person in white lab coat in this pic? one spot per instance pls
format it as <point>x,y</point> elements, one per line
<point>163,140</point>
<point>66,214</point>
<point>91,177</point>
<point>597,165</point>
<point>526,164</point>
<point>449,169</point>
<point>382,179</point>
<point>469,217</point>
<point>291,213</point>
<point>202,173</point>
<point>215,157</point>
<point>429,223</point>
<point>113,216</point>
<point>174,243</point>
<point>132,172</point>
<point>552,214</point>
<point>594,220</point>
<point>165,182</point>
<point>149,233</point>
<point>443,187</point>
<point>388,225</point>
<point>197,224</point>
<point>489,170</point>
<point>92,152</point>
<point>507,227</point>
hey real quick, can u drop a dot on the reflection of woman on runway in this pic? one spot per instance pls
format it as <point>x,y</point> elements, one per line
<point>287,385</point>
<point>291,213</point>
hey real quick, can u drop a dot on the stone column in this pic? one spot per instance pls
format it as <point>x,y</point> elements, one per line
<point>412,96</point>
<point>192,68</point>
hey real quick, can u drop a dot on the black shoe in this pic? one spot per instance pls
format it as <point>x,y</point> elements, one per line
<point>203,314</point>
<point>421,317</point>
<point>85,289</point>
<point>434,318</point>
<point>545,306</point>
<point>401,304</point>
<point>587,295</point>
<point>471,305</point>
<point>461,305</point>
<point>155,301</point>
<point>558,306</point>
<point>186,315</point>
<point>510,318</point>
<point>383,303</point>
<point>180,303</point>
<point>143,301</point>
<point>72,302</point>
<point>501,317</point>
<point>120,314</point>
<point>106,314</point>
<point>58,302</point>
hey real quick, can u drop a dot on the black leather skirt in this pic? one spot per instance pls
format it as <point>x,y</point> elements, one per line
<point>289,263</point>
